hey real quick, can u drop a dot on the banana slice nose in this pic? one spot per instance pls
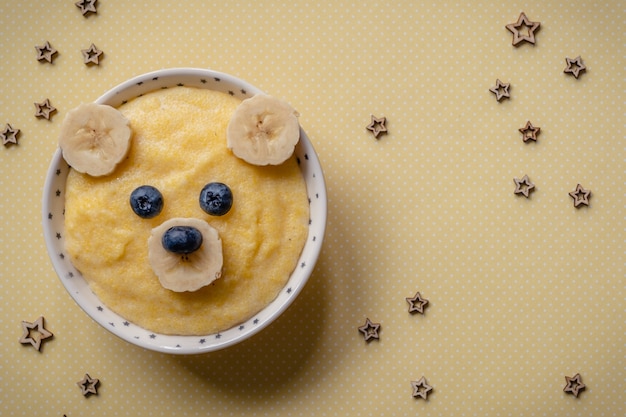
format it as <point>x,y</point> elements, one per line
<point>185,254</point>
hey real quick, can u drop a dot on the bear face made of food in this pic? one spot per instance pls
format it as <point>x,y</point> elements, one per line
<point>185,208</point>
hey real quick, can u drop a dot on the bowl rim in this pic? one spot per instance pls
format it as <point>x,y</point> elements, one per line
<point>305,152</point>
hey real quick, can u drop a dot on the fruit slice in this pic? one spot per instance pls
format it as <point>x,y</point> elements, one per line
<point>263,130</point>
<point>94,138</point>
<point>185,266</point>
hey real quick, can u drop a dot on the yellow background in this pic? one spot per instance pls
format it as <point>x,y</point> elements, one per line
<point>522,291</point>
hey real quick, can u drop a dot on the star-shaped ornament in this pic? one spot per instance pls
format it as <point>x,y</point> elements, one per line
<point>34,333</point>
<point>377,126</point>
<point>88,385</point>
<point>574,385</point>
<point>580,196</point>
<point>91,55</point>
<point>417,303</point>
<point>370,330</point>
<point>9,135</point>
<point>501,90</point>
<point>44,109</point>
<point>523,186</point>
<point>421,388</point>
<point>45,52</point>
<point>574,66</point>
<point>523,30</point>
<point>529,132</point>
<point>87,6</point>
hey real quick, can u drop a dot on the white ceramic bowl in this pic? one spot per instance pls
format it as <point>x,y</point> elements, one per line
<point>53,225</point>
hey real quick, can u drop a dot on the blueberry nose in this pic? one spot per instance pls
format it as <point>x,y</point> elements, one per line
<point>181,239</point>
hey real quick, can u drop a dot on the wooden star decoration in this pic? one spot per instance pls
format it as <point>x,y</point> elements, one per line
<point>34,333</point>
<point>9,135</point>
<point>574,66</point>
<point>501,90</point>
<point>580,196</point>
<point>529,132</point>
<point>417,303</point>
<point>45,52</point>
<point>91,55</point>
<point>88,385</point>
<point>44,109</point>
<point>421,388</point>
<point>377,126</point>
<point>523,30</point>
<point>523,186</point>
<point>370,330</point>
<point>574,385</point>
<point>87,6</point>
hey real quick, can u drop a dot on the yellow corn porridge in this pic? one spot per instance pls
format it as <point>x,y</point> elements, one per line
<point>178,145</point>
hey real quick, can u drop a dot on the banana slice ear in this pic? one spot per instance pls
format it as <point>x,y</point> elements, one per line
<point>94,138</point>
<point>180,269</point>
<point>263,130</point>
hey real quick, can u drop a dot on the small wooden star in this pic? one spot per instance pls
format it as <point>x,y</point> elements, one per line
<point>501,90</point>
<point>45,52</point>
<point>421,388</point>
<point>574,66</point>
<point>580,196</point>
<point>529,132</point>
<point>521,28</point>
<point>87,6</point>
<point>417,303</point>
<point>44,109</point>
<point>370,330</point>
<point>377,126</point>
<point>9,135</point>
<point>34,333</point>
<point>574,385</point>
<point>523,186</point>
<point>88,385</point>
<point>91,55</point>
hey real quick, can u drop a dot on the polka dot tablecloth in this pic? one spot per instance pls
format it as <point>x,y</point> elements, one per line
<point>522,291</point>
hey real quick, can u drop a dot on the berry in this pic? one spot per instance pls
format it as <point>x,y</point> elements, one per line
<point>146,201</point>
<point>216,199</point>
<point>182,239</point>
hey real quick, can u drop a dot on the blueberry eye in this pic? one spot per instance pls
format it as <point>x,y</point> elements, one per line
<point>216,199</point>
<point>146,201</point>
